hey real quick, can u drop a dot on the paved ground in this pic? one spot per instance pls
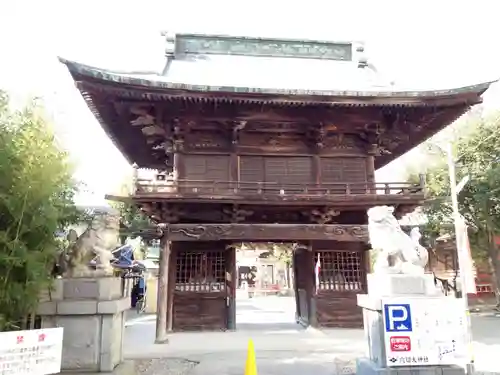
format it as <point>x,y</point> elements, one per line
<point>282,346</point>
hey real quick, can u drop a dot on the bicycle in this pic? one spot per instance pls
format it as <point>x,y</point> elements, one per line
<point>140,305</point>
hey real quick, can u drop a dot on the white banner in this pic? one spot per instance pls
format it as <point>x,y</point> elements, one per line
<point>34,352</point>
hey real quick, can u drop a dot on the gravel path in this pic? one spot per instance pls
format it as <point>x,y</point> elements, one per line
<point>180,366</point>
<point>164,366</point>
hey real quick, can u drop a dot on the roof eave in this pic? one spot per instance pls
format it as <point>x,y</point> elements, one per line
<point>135,80</point>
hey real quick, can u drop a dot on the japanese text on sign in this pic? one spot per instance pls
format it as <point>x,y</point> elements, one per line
<point>36,352</point>
<point>410,360</point>
<point>400,343</point>
<point>424,331</point>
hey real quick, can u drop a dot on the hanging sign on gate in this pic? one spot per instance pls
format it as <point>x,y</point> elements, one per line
<point>33,352</point>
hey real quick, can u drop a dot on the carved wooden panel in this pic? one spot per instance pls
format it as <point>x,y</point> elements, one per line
<point>272,143</point>
<point>199,141</point>
<point>343,144</point>
<point>270,232</point>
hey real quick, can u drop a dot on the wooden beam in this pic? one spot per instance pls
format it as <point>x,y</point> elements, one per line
<point>118,198</point>
<point>162,299</point>
<point>267,232</point>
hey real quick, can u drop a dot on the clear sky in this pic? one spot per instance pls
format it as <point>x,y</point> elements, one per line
<point>422,44</point>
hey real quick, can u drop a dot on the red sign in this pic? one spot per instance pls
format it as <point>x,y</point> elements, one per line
<point>400,343</point>
<point>496,240</point>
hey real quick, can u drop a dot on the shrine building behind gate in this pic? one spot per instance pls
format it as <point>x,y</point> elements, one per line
<point>264,140</point>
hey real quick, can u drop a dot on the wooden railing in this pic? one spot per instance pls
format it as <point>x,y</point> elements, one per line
<point>200,187</point>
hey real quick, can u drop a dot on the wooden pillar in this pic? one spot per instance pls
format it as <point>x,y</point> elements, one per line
<point>172,275</point>
<point>295,283</point>
<point>231,284</point>
<point>366,263</point>
<point>162,299</point>
<point>310,287</point>
<point>370,169</point>
<point>234,167</point>
<point>316,167</point>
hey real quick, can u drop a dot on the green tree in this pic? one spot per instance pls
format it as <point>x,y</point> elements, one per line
<point>478,156</point>
<point>284,252</point>
<point>133,220</point>
<point>36,201</point>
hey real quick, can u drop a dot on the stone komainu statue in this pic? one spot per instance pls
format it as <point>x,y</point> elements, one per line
<point>96,242</point>
<point>396,251</point>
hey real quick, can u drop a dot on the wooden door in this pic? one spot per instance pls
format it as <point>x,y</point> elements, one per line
<point>200,301</point>
<point>206,173</point>
<point>288,173</point>
<point>291,174</point>
<point>251,173</point>
<point>304,274</point>
<point>342,277</point>
<point>336,172</point>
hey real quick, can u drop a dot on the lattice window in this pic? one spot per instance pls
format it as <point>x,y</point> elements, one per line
<point>341,270</point>
<point>200,271</point>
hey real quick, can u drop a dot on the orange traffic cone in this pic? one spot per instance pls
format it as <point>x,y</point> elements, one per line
<point>251,365</point>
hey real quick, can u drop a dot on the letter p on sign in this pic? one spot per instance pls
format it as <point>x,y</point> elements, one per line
<point>397,318</point>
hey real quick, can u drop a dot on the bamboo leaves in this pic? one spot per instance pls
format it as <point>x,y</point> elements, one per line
<point>36,200</point>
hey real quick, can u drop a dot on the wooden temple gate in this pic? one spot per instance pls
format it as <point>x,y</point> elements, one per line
<point>232,161</point>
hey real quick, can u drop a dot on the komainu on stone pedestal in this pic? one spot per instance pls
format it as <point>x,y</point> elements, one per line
<point>96,242</point>
<point>396,251</point>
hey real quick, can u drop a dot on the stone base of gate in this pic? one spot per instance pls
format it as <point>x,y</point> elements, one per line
<point>92,313</point>
<point>365,366</point>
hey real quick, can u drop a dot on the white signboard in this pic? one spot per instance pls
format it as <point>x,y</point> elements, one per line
<point>424,331</point>
<point>34,352</point>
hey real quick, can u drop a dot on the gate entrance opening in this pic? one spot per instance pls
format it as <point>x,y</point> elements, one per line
<point>265,295</point>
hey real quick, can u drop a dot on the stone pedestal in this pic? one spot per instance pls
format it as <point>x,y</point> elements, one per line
<point>91,311</point>
<point>380,285</point>
<point>384,286</point>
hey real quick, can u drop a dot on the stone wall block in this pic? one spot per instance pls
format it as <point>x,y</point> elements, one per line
<point>103,288</point>
<point>77,307</point>
<point>113,307</point>
<point>91,311</point>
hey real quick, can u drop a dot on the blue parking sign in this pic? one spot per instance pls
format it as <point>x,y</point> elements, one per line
<point>397,318</point>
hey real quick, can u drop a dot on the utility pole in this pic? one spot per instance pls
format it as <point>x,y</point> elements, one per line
<point>459,238</point>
